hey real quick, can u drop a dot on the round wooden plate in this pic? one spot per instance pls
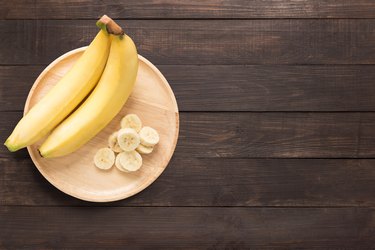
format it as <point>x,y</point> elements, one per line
<point>75,174</point>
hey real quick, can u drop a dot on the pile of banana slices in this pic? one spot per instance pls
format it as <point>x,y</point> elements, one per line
<point>131,140</point>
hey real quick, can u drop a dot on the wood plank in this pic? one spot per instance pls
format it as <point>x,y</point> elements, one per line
<point>85,9</point>
<point>278,135</point>
<point>201,42</point>
<point>262,135</point>
<point>239,88</point>
<point>273,87</point>
<point>216,182</point>
<point>193,228</point>
<point>15,84</point>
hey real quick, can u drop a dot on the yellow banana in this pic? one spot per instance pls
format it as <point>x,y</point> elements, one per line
<point>64,97</point>
<point>103,104</point>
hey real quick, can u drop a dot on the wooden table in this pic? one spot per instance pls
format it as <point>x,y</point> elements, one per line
<point>277,138</point>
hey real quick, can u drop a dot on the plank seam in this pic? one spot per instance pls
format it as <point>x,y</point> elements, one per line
<point>193,19</point>
<point>140,206</point>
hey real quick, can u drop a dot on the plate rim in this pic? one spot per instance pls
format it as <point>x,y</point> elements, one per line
<point>113,197</point>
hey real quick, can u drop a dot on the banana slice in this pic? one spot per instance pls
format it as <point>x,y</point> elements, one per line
<point>128,161</point>
<point>104,158</point>
<point>131,121</point>
<point>149,136</point>
<point>113,144</point>
<point>118,163</point>
<point>128,139</point>
<point>142,149</point>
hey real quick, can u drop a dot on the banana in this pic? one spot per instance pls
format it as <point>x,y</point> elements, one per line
<point>64,97</point>
<point>142,149</point>
<point>113,144</point>
<point>104,103</point>
<point>104,158</point>
<point>119,165</point>
<point>149,136</point>
<point>131,121</point>
<point>128,161</point>
<point>128,139</point>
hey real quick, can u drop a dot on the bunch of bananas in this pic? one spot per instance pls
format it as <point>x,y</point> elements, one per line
<point>105,74</point>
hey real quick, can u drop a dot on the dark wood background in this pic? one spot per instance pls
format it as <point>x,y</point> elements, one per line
<point>277,137</point>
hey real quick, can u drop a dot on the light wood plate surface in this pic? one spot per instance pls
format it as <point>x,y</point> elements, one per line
<point>75,174</point>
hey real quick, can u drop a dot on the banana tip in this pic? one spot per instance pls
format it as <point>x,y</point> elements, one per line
<point>10,147</point>
<point>41,154</point>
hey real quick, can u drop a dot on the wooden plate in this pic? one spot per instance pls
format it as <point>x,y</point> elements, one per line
<point>75,174</point>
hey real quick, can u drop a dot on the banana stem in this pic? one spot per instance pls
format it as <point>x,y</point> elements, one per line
<point>106,23</point>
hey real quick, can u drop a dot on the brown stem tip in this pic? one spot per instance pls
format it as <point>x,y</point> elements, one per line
<point>111,26</point>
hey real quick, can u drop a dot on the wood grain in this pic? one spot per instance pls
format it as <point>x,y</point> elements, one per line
<point>85,9</point>
<point>202,42</point>
<point>193,228</point>
<point>15,84</point>
<point>278,135</point>
<point>216,182</point>
<point>263,135</point>
<point>239,88</point>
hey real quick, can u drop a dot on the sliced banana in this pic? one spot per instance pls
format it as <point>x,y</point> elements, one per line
<point>149,136</point>
<point>128,139</point>
<point>128,161</point>
<point>131,121</point>
<point>104,158</point>
<point>113,144</point>
<point>142,149</point>
<point>118,163</point>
